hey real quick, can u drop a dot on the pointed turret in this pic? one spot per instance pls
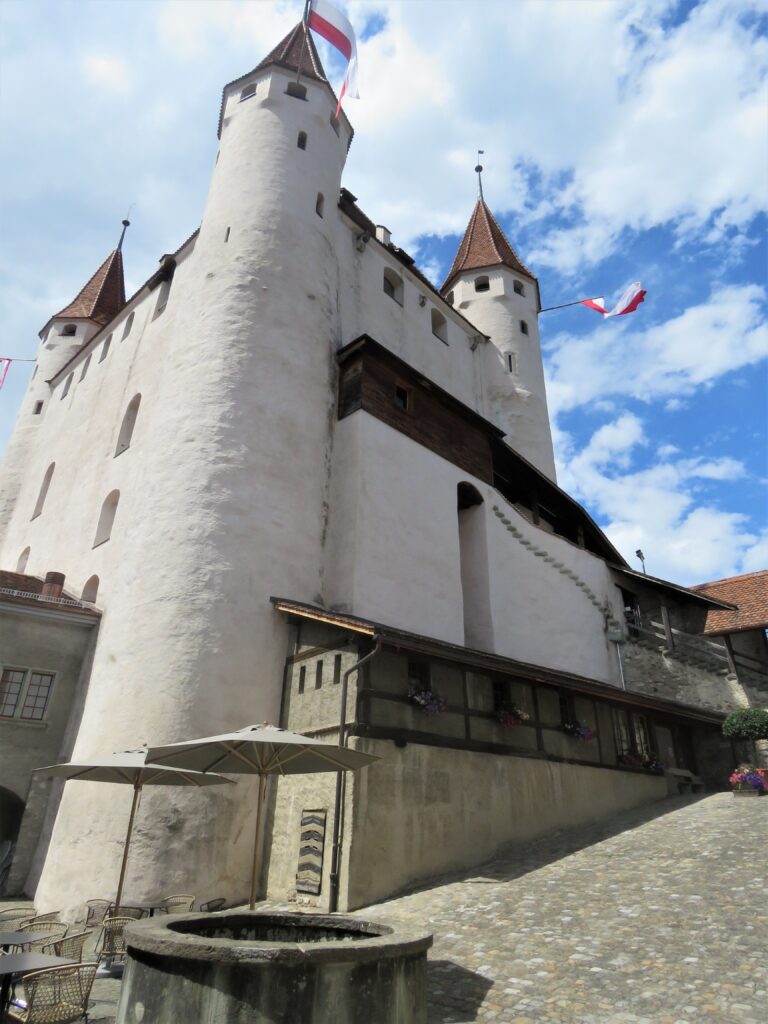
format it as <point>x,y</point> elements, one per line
<point>494,289</point>
<point>102,298</point>
<point>483,246</point>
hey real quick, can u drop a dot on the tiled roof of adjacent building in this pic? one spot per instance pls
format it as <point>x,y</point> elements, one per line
<point>749,593</point>
<point>19,589</point>
<point>103,296</point>
<point>484,245</point>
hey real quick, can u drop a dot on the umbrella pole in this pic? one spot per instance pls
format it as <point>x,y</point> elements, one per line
<point>256,846</point>
<point>124,865</point>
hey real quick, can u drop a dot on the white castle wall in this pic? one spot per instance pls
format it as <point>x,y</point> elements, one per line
<point>222,497</point>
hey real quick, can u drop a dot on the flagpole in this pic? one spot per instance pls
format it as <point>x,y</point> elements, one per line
<point>305,22</point>
<point>564,305</point>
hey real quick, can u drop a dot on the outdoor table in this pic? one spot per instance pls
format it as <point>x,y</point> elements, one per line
<point>149,905</point>
<point>20,938</point>
<point>17,964</point>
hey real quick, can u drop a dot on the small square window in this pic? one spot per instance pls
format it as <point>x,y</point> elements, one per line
<point>518,286</point>
<point>402,398</point>
<point>297,90</point>
<point>38,408</point>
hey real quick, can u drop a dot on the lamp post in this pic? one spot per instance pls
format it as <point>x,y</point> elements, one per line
<point>641,556</point>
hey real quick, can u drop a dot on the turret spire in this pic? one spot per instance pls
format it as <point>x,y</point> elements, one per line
<point>484,244</point>
<point>102,298</point>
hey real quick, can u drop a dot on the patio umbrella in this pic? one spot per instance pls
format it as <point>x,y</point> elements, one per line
<point>130,768</point>
<point>260,750</point>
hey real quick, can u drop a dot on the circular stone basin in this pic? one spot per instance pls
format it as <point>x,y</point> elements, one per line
<point>249,967</point>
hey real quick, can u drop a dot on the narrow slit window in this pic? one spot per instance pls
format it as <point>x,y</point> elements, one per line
<point>319,203</point>
<point>402,398</point>
<point>301,141</point>
<point>43,490</point>
<point>105,349</point>
<point>439,326</point>
<point>90,590</point>
<point>337,668</point>
<point>319,674</point>
<point>302,678</point>
<point>126,427</point>
<point>128,326</point>
<point>162,299</point>
<point>67,386</point>
<point>519,289</point>
<point>86,364</point>
<point>511,362</point>
<point>523,327</point>
<point>106,518</point>
<point>226,234</point>
<point>38,409</point>
<point>21,565</point>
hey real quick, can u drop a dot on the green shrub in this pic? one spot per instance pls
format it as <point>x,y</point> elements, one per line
<point>747,724</point>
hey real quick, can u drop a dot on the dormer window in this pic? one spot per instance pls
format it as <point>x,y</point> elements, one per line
<point>482,284</point>
<point>519,289</point>
<point>523,327</point>
<point>439,326</point>
<point>393,286</point>
<point>68,330</point>
<point>248,91</point>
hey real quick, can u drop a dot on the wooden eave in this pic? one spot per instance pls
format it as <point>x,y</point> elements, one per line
<point>672,589</point>
<point>414,643</point>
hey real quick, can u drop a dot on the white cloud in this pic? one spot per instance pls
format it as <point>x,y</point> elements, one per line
<point>673,358</point>
<point>108,72</point>
<point>658,508</point>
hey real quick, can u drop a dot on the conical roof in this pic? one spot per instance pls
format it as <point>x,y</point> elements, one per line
<point>297,47</point>
<point>484,245</point>
<point>103,296</point>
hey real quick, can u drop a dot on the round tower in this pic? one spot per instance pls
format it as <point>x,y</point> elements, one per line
<point>231,502</point>
<point>493,289</point>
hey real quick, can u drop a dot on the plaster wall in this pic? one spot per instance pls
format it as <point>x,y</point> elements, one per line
<point>223,499</point>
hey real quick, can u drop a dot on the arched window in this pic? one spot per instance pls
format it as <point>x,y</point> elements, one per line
<point>474,565</point>
<point>393,285</point>
<point>21,565</point>
<point>482,284</point>
<point>439,326</point>
<point>319,204</point>
<point>67,386</point>
<point>68,330</point>
<point>301,141</point>
<point>248,91</point>
<point>523,327</point>
<point>105,349</point>
<point>162,299</point>
<point>90,590</point>
<point>519,289</point>
<point>43,490</point>
<point>126,428</point>
<point>128,326</point>
<point>86,364</point>
<point>106,518</point>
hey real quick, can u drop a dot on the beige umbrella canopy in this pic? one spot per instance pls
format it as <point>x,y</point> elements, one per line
<point>130,768</point>
<point>260,750</point>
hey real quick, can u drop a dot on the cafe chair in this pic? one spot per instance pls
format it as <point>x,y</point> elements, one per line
<point>56,995</point>
<point>70,947</point>
<point>95,912</point>
<point>111,944</point>
<point>213,905</point>
<point>177,904</point>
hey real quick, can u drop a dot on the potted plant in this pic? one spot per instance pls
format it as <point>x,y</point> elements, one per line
<point>510,715</point>
<point>747,781</point>
<point>578,731</point>
<point>427,701</point>
<point>747,724</point>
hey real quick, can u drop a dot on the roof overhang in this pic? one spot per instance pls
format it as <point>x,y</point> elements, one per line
<point>671,588</point>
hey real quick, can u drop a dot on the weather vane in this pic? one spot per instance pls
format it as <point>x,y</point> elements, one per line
<point>126,225</point>
<point>479,172</point>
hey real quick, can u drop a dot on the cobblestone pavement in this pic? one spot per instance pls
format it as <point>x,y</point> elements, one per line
<point>658,917</point>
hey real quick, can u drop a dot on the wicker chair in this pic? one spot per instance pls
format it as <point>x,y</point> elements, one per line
<point>111,943</point>
<point>71,947</point>
<point>16,914</point>
<point>178,904</point>
<point>213,905</point>
<point>54,930</point>
<point>53,916</point>
<point>135,913</point>
<point>57,995</point>
<point>96,911</point>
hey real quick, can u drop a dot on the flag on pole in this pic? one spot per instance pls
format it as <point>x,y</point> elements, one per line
<point>331,24</point>
<point>628,302</point>
<point>5,365</point>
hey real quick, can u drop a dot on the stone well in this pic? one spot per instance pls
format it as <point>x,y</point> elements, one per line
<point>242,967</point>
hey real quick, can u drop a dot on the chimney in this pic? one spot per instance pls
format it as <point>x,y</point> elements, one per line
<point>54,584</point>
<point>383,235</point>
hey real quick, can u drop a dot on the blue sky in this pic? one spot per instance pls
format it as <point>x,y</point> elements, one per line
<point>623,141</point>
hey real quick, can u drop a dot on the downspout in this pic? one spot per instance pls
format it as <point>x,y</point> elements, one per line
<point>621,666</point>
<point>338,809</point>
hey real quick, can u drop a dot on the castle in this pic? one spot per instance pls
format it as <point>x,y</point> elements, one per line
<point>288,452</point>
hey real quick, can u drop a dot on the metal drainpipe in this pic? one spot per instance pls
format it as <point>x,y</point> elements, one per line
<point>338,810</point>
<point>621,666</point>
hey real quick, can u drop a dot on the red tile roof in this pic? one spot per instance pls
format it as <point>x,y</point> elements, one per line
<point>16,588</point>
<point>103,296</point>
<point>748,592</point>
<point>484,245</point>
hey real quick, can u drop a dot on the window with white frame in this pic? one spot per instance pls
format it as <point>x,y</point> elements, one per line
<point>25,693</point>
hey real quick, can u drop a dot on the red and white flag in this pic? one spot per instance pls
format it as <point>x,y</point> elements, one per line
<point>331,24</point>
<point>628,302</point>
<point>5,365</point>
